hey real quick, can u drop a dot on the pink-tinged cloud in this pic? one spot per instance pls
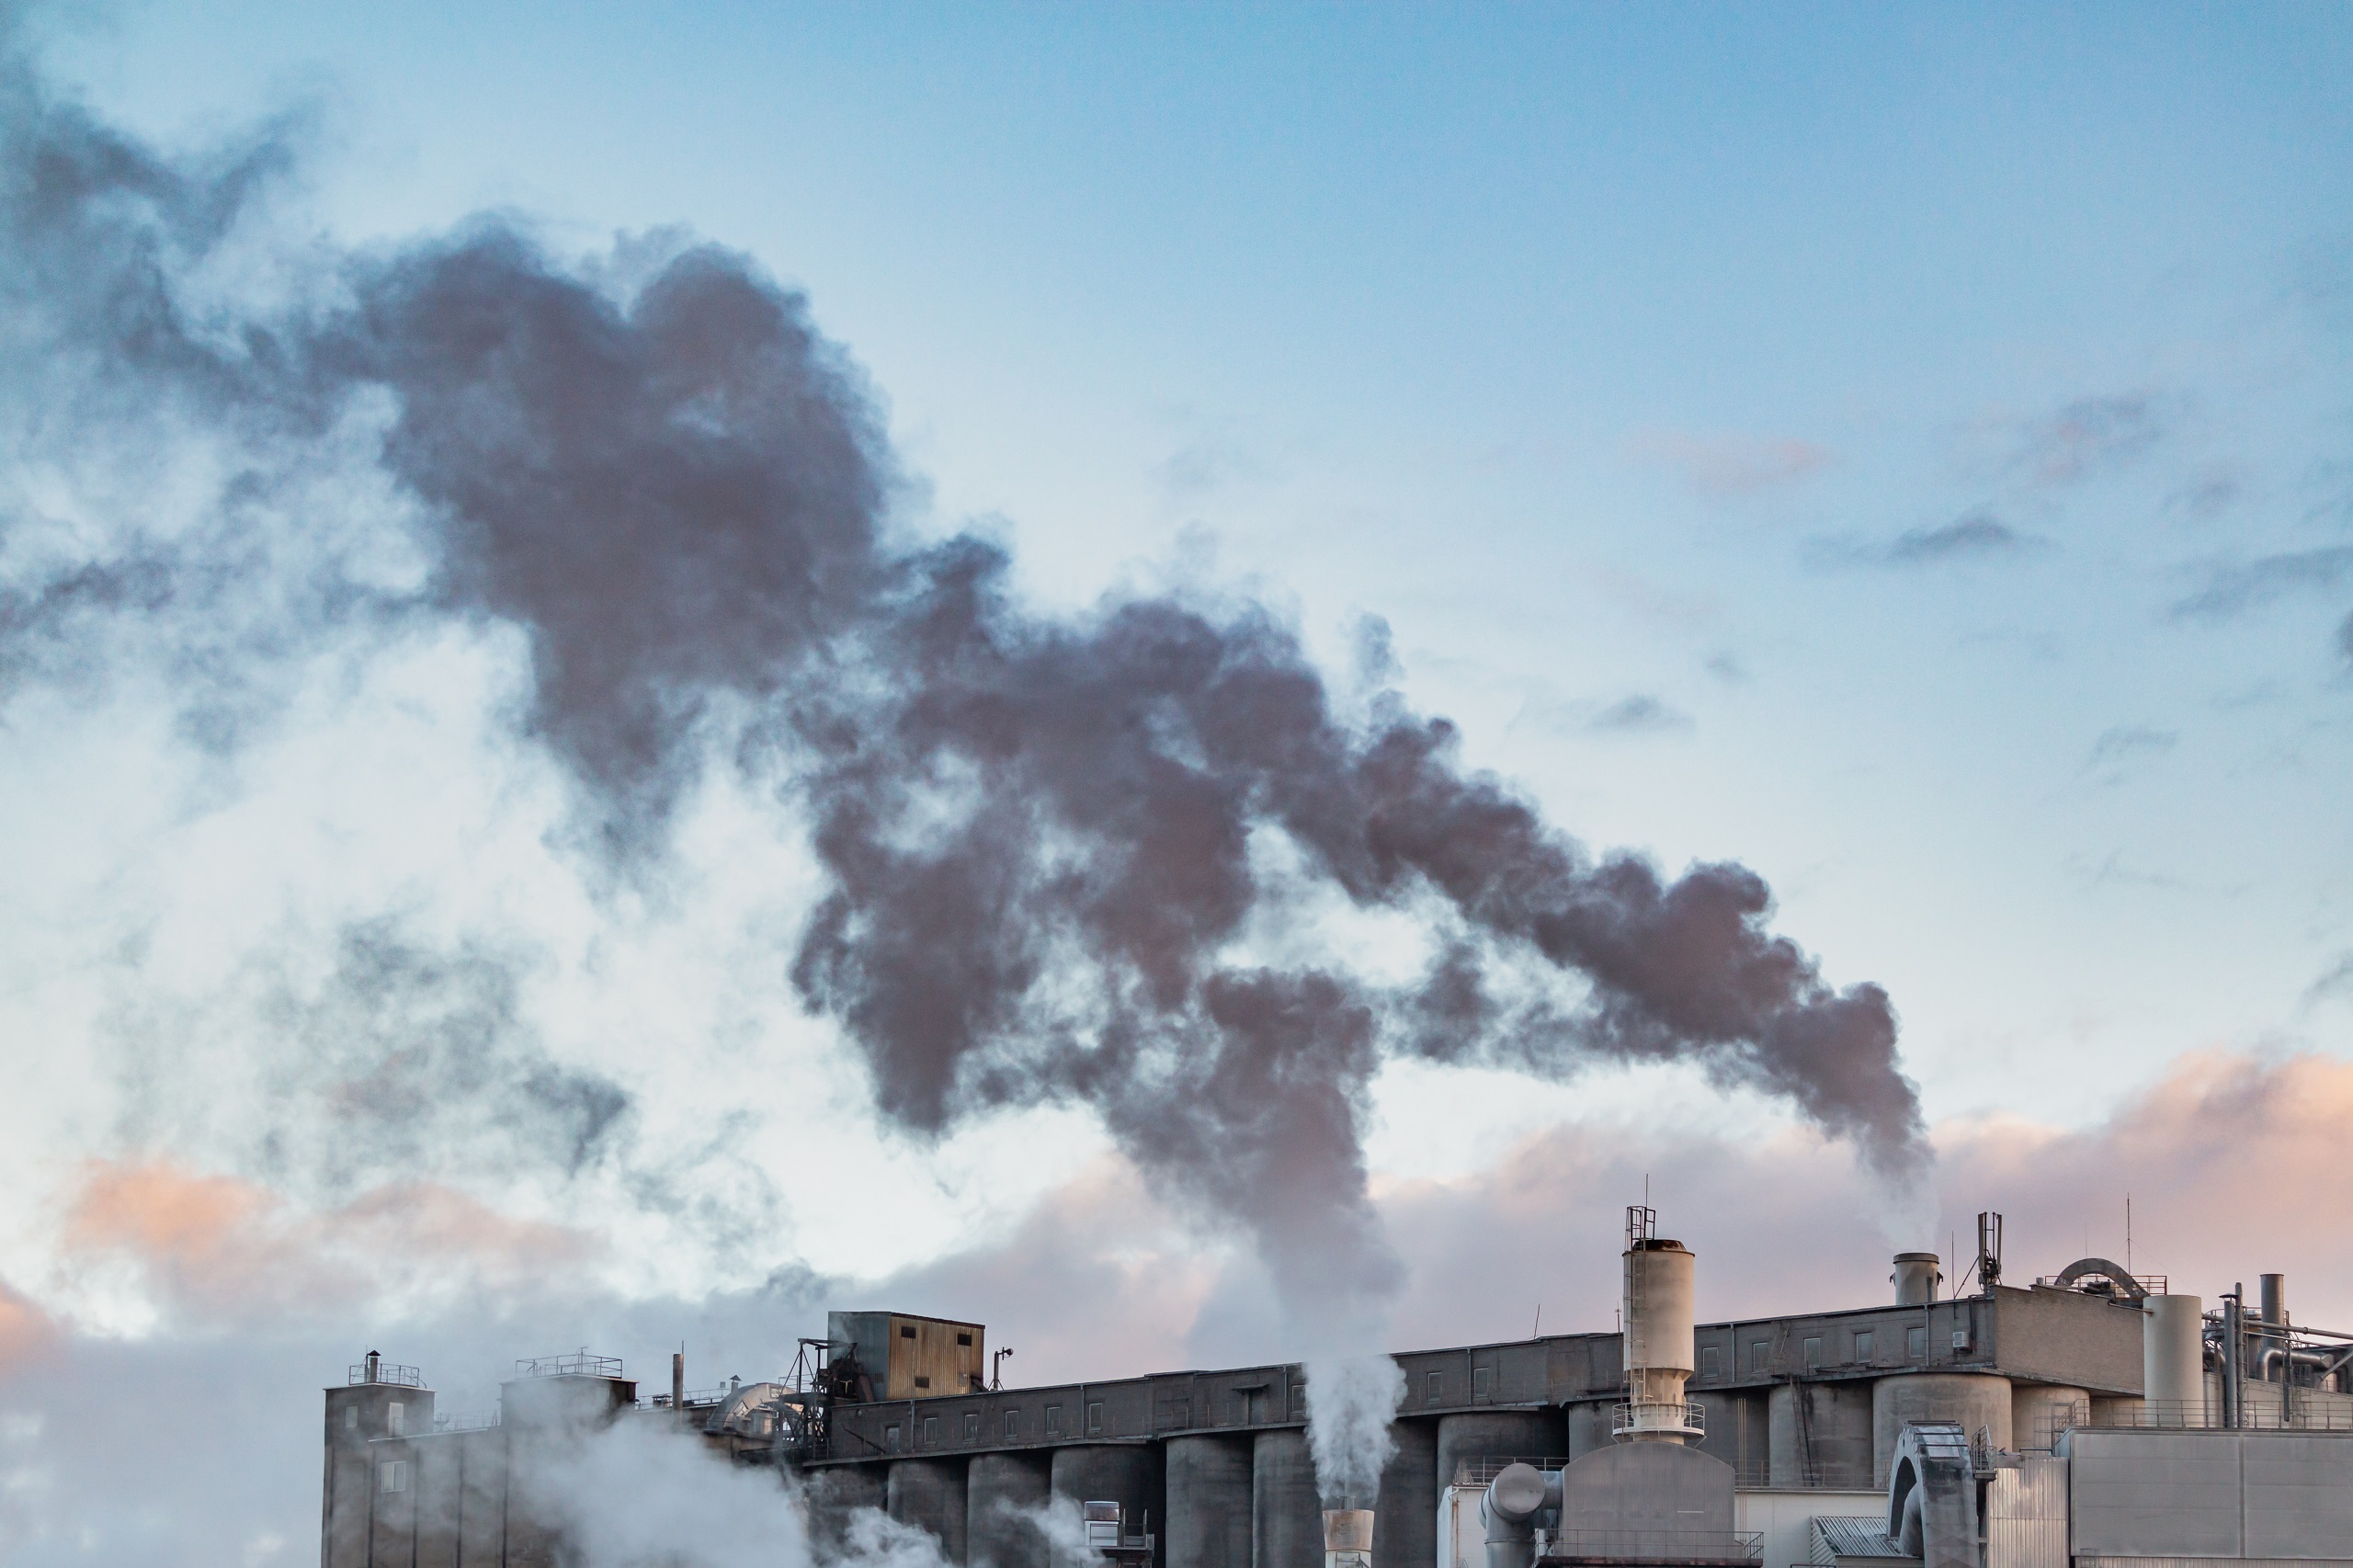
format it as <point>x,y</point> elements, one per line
<point>219,1246</point>
<point>2236,1165</point>
<point>1726,467</point>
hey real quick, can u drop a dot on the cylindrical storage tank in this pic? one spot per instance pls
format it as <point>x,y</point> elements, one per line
<point>1831,1446</point>
<point>1286,1514</point>
<point>2173,1359</point>
<point>2039,1412</point>
<point>1408,1518</point>
<point>1974,1399</point>
<point>1497,1433</point>
<point>1002,1494</point>
<point>832,1495</point>
<point>1125,1474</point>
<point>2124,1410</point>
<point>1208,1503</point>
<point>1589,1427</point>
<point>929,1495</point>
<point>1917,1277</point>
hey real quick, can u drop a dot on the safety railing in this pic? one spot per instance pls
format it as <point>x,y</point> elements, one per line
<point>1728,1548</point>
<point>389,1372</point>
<point>579,1364</point>
<point>1662,1417</point>
<point>1484,1469</point>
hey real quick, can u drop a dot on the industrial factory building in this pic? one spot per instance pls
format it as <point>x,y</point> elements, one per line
<point>2091,1418</point>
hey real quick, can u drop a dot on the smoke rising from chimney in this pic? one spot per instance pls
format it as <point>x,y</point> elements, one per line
<point>1067,858</point>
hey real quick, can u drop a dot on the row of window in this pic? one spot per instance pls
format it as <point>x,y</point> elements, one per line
<point>1863,1347</point>
<point>893,1438</point>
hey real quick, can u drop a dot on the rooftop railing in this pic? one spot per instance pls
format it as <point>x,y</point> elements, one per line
<point>385,1372</point>
<point>579,1364</point>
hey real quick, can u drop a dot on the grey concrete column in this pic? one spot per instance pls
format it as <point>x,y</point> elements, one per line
<point>1125,1474</point>
<point>1286,1514</point>
<point>1208,1501</point>
<point>1407,1520</point>
<point>1494,1434</point>
<point>831,1496</point>
<point>1589,1426</point>
<point>1001,1493</point>
<point>929,1495</point>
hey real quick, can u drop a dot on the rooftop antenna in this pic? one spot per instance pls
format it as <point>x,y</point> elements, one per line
<point>2127,1232</point>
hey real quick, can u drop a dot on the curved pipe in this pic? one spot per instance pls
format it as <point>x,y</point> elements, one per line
<point>1518,1493</point>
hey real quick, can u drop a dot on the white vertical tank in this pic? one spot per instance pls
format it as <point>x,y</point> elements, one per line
<point>1660,1351</point>
<point>1917,1277</point>
<point>2172,1363</point>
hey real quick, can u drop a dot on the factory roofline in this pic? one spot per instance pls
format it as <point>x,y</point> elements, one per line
<point>2031,1334</point>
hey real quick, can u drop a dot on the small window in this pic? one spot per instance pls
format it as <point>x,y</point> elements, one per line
<point>1813,1352</point>
<point>907,1331</point>
<point>1915,1343</point>
<point>931,1431</point>
<point>1760,1358</point>
<point>890,1438</point>
<point>1094,1420</point>
<point>395,1475</point>
<point>1482,1380</point>
<point>1960,1339</point>
<point>1013,1424</point>
<point>971,1426</point>
<point>923,1382</point>
<point>394,1413</point>
<point>965,1340</point>
<point>1053,1421</point>
<point>1435,1382</point>
<point>351,1418</point>
<point>1863,1347</point>
<point>1711,1362</point>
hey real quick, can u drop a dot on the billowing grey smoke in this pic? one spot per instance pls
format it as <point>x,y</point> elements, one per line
<point>1069,859</point>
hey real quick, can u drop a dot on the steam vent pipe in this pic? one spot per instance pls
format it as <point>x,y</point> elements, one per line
<point>1917,1277</point>
<point>1659,1345</point>
<point>1518,1493</point>
<point>2172,1362</point>
<point>1348,1537</point>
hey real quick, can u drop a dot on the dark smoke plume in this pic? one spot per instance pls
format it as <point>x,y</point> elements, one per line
<point>1069,859</point>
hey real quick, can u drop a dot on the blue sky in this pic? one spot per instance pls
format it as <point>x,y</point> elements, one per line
<point>1907,449</point>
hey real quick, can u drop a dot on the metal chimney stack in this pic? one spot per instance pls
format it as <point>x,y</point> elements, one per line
<point>1659,1344</point>
<point>1348,1537</point>
<point>1917,1277</point>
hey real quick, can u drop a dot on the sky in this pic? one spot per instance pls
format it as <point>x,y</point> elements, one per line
<point>1906,452</point>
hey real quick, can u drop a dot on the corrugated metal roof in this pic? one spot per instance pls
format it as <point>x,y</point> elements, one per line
<point>1835,1536</point>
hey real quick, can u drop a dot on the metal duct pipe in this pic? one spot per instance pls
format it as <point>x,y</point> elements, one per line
<point>2233,1353</point>
<point>1517,1495</point>
<point>2273,1354</point>
<point>2272,1292</point>
<point>1917,1277</point>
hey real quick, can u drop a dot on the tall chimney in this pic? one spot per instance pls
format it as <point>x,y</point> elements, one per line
<point>2275,1314</point>
<point>678,1387</point>
<point>1659,1344</point>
